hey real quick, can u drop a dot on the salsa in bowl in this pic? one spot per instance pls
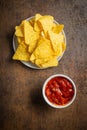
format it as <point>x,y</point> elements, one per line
<point>59,91</point>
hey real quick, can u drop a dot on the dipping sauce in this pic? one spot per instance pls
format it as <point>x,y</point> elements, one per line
<point>59,90</point>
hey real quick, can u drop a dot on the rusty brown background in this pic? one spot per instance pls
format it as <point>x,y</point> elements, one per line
<point>21,103</point>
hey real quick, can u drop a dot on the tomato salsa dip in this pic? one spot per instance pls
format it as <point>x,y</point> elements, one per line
<point>59,90</point>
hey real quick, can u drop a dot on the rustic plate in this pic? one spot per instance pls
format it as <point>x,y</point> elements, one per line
<point>29,64</point>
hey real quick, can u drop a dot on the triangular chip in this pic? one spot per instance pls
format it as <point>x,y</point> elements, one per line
<point>57,28</point>
<point>43,49</point>
<point>32,46</point>
<point>29,34</point>
<point>32,21</point>
<point>63,46</point>
<point>20,40</point>
<point>38,16</point>
<point>50,63</point>
<point>36,26</point>
<point>46,23</point>
<point>19,30</point>
<point>56,39</point>
<point>21,53</point>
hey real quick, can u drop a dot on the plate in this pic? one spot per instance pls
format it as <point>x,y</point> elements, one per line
<point>29,64</point>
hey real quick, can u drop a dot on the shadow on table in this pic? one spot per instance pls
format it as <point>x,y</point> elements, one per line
<point>9,38</point>
<point>37,99</point>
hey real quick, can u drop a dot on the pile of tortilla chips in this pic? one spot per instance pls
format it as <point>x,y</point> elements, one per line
<point>40,41</point>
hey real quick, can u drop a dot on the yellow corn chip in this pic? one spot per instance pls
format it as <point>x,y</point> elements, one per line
<point>19,30</point>
<point>43,49</point>
<point>21,53</point>
<point>36,26</point>
<point>57,28</point>
<point>56,41</point>
<point>28,29</point>
<point>32,21</point>
<point>29,34</point>
<point>41,61</point>
<point>38,16</point>
<point>42,34</point>
<point>32,46</point>
<point>63,47</point>
<point>50,63</point>
<point>20,39</point>
<point>46,23</point>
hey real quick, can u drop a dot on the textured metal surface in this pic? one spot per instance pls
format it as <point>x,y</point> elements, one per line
<point>21,103</point>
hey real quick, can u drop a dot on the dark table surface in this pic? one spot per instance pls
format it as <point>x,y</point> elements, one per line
<point>22,106</point>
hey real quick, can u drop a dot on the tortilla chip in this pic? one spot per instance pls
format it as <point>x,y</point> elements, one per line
<point>38,16</point>
<point>50,63</point>
<point>19,31</point>
<point>46,23</point>
<point>32,46</point>
<point>41,61</point>
<point>63,47</point>
<point>43,49</point>
<point>55,39</point>
<point>32,21</point>
<point>20,40</point>
<point>21,53</point>
<point>58,28</point>
<point>29,34</point>
<point>36,26</point>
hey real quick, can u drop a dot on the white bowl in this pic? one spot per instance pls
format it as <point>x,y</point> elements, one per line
<point>30,64</point>
<point>55,105</point>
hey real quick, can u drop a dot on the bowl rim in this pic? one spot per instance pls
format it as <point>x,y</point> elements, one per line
<point>30,64</point>
<point>54,105</point>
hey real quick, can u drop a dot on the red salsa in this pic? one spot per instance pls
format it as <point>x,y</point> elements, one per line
<point>59,90</point>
